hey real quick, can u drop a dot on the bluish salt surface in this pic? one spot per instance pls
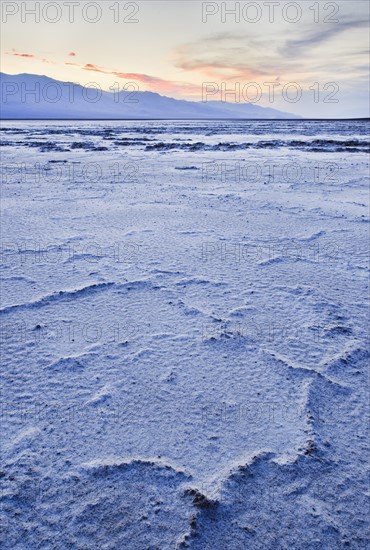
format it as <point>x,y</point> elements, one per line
<point>184,336</point>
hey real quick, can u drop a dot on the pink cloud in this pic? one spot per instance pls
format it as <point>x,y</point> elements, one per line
<point>153,82</point>
<point>28,55</point>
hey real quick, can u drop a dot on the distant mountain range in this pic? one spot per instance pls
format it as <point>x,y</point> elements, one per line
<point>29,96</point>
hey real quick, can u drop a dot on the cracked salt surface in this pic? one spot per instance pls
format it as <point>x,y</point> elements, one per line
<point>185,357</point>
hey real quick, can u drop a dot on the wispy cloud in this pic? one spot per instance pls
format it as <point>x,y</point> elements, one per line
<point>230,57</point>
<point>240,57</point>
<point>297,47</point>
<point>151,83</point>
<point>18,54</point>
<point>28,56</point>
<point>154,83</point>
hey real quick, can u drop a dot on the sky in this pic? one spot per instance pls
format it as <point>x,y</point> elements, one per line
<point>315,53</point>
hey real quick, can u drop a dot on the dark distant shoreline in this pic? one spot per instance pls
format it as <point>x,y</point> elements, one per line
<point>297,120</point>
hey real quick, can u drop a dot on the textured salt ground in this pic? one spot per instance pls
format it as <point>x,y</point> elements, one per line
<point>231,136</point>
<point>157,401</point>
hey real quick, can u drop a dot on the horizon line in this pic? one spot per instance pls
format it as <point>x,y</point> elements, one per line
<point>181,119</point>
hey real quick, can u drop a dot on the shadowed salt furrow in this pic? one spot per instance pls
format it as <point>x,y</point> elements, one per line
<point>293,366</point>
<point>112,502</point>
<point>346,358</point>
<point>248,502</point>
<point>70,363</point>
<point>259,501</point>
<point>70,295</point>
<point>62,295</point>
<point>312,380</point>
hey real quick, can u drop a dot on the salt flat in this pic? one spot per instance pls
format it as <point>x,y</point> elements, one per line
<point>184,335</point>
